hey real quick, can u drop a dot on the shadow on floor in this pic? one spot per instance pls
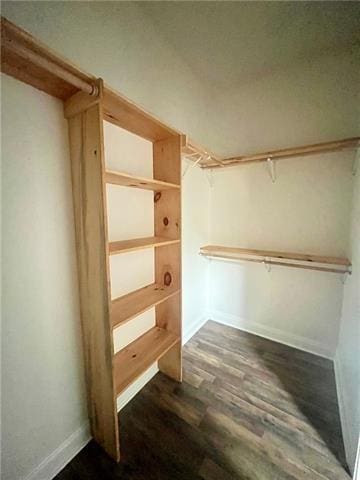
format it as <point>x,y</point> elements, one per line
<point>310,381</point>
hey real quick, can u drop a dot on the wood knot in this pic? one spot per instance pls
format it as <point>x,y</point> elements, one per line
<point>157,196</point>
<point>166,221</point>
<point>167,278</point>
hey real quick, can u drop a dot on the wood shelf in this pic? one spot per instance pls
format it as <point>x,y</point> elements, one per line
<point>137,357</point>
<point>129,306</point>
<point>126,180</point>
<point>285,153</point>
<point>123,246</point>
<point>266,256</point>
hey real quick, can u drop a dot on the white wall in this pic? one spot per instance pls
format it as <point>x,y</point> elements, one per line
<point>305,210</point>
<point>311,101</point>
<point>43,398</point>
<point>195,233</point>
<point>347,361</point>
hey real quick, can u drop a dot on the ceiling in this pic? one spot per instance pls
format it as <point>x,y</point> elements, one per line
<point>225,43</point>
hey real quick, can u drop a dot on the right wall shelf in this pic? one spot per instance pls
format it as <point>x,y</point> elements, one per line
<point>285,259</point>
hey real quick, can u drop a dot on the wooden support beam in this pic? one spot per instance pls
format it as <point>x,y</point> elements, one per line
<point>87,167</point>
<point>30,61</point>
<point>285,153</point>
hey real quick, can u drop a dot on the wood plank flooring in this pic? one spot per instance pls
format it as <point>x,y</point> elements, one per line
<point>248,409</point>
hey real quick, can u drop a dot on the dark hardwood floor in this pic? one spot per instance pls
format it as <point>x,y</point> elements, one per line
<point>248,409</point>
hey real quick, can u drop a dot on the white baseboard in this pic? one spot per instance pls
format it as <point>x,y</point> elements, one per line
<point>292,340</point>
<point>194,327</point>
<point>356,475</point>
<point>60,457</point>
<point>346,426</point>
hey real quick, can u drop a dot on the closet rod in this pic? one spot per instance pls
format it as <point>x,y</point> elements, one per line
<point>272,262</point>
<point>48,65</point>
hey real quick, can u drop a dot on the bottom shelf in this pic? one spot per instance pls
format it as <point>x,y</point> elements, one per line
<point>137,357</point>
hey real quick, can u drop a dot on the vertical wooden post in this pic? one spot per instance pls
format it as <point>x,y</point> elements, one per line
<point>85,120</point>
<point>167,213</point>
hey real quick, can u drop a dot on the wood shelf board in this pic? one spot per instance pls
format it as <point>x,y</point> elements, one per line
<point>218,249</point>
<point>27,59</point>
<point>137,357</point>
<point>126,180</point>
<point>286,153</point>
<point>123,246</point>
<point>122,112</point>
<point>129,306</point>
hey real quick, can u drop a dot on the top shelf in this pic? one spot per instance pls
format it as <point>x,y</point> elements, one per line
<point>126,180</point>
<point>310,261</point>
<point>286,153</point>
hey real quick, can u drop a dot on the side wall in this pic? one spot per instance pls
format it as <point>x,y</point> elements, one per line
<point>195,269</point>
<point>43,395</point>
<point>347,360</point>
<point>305,210</point>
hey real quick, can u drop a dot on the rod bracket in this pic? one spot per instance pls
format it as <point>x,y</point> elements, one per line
<point>271,166</point>
<point>355,165</point>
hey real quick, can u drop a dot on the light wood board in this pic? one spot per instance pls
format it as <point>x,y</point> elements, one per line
<point>137,357</point>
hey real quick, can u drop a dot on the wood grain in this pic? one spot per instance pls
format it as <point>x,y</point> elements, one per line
<point>306,257</point>
<point>137,357</point>
<point>167,221</point>
<point>29,60</point>
<point>122,112</point>
<point>123,246</point>
<point>87,165</point>
<point>286,153</point>
<point>129,306</point>
<point>126,180</point>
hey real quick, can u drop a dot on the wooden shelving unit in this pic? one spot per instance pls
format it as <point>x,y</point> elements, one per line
<point>286,259</point>
<point>163,342</point>
<point>87,104</point>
